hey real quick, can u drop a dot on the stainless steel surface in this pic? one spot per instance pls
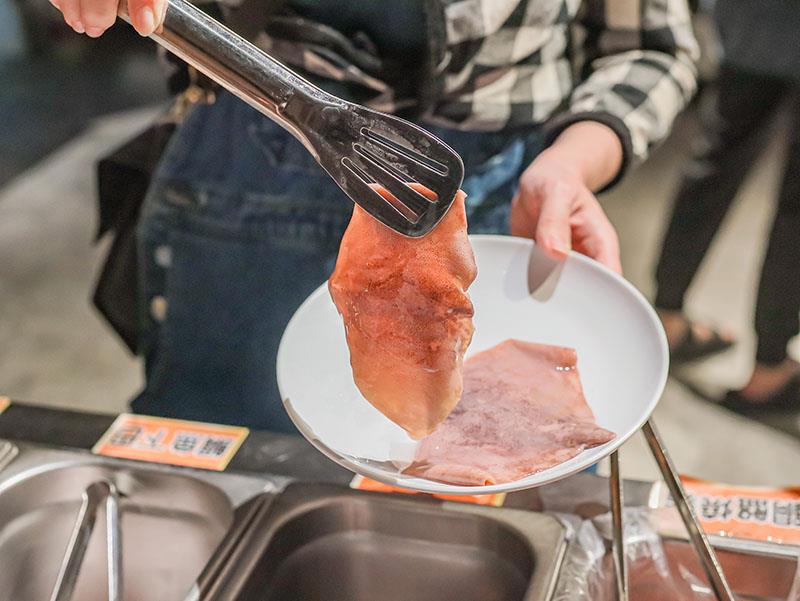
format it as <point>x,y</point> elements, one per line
<point>169,524</point>
<point>316,542</point>
<point>618,548</point>
<point>357,146</point>
<point>215,568</point>
<point>708,559</point>
<point>94,495</point>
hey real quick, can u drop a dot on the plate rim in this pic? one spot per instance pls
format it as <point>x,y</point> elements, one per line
<point>434,487</point>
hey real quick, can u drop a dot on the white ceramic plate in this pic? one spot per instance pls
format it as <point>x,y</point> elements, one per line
<point>519,293</point>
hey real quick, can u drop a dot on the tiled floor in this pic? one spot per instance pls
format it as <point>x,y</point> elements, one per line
<point>55,350</point>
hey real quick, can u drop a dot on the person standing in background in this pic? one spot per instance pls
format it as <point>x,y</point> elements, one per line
<point>760,71</point>
<point>241,224</point>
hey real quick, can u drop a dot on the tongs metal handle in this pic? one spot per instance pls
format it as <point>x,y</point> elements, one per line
<point>365,152</point>
<point>231,61</point>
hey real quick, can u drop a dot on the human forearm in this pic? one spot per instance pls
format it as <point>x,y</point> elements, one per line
<point>639,71</point>
<point>592,149</point>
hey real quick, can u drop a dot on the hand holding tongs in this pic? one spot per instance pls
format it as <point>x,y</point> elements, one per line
<point>358,147</point>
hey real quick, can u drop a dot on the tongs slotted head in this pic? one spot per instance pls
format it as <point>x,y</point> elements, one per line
<point>363,150</point>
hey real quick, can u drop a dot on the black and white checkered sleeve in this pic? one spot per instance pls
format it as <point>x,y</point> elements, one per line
<point>639,71</point>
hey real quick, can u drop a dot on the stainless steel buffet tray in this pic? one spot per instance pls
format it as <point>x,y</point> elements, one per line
<point>171,522</point>
<point>196,535</point>
<point>204,536</point>
<point>315,542</point>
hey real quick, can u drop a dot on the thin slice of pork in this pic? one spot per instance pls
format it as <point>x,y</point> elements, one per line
<point>522,411</point>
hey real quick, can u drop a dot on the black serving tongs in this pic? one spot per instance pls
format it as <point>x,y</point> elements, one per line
<point>361,149</point>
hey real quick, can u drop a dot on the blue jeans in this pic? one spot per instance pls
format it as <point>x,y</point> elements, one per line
<point>239,226</point>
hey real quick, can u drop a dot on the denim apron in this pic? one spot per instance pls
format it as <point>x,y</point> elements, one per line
<point>239,227</point>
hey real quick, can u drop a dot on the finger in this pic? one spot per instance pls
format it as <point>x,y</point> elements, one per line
<point>609,255</point>
<point>598,238</point>
<point>98,15</point>
<point>146,15</point>
<point>608,252</point>
<point>71,9</point>
<point>161,14</point>
<point>553,231</point>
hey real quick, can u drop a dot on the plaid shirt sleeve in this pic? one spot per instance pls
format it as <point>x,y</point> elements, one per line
<point>639,71</point>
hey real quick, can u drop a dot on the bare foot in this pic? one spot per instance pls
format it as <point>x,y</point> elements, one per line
<point>676,324</point>
<point>769,379</point>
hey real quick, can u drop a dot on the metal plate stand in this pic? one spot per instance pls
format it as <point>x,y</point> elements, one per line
<point>697,537</point>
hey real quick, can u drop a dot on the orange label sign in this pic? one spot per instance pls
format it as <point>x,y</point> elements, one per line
<point>362,483</point>
<point>765,514</point>
<point>176,442</point>
<point>4,403</point>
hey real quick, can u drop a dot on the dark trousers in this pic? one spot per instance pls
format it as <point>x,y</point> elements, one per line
<point>733,140</point>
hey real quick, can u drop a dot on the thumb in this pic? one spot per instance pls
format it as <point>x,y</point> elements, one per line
<point>147,15</point>
<point>553,231</point>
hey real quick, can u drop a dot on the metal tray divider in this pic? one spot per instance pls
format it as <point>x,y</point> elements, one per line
<point>220,563</point>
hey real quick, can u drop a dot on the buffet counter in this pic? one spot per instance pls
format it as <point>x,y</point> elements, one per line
<point>279,521</point>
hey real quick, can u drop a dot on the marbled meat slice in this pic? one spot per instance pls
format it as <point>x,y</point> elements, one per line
<point>407,315</point>
<point>522,411</point>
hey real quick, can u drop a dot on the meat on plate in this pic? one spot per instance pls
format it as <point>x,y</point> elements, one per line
<point>522,411</point>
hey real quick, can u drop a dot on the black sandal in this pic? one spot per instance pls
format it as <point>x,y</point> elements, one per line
<point>785,400</point>
<point>692,348</point>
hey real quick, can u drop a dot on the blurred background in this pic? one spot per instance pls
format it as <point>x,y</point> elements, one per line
<point>67,100</point>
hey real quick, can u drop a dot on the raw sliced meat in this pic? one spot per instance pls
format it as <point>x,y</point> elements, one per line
<point>407,315</point>
<point>522,411</point>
